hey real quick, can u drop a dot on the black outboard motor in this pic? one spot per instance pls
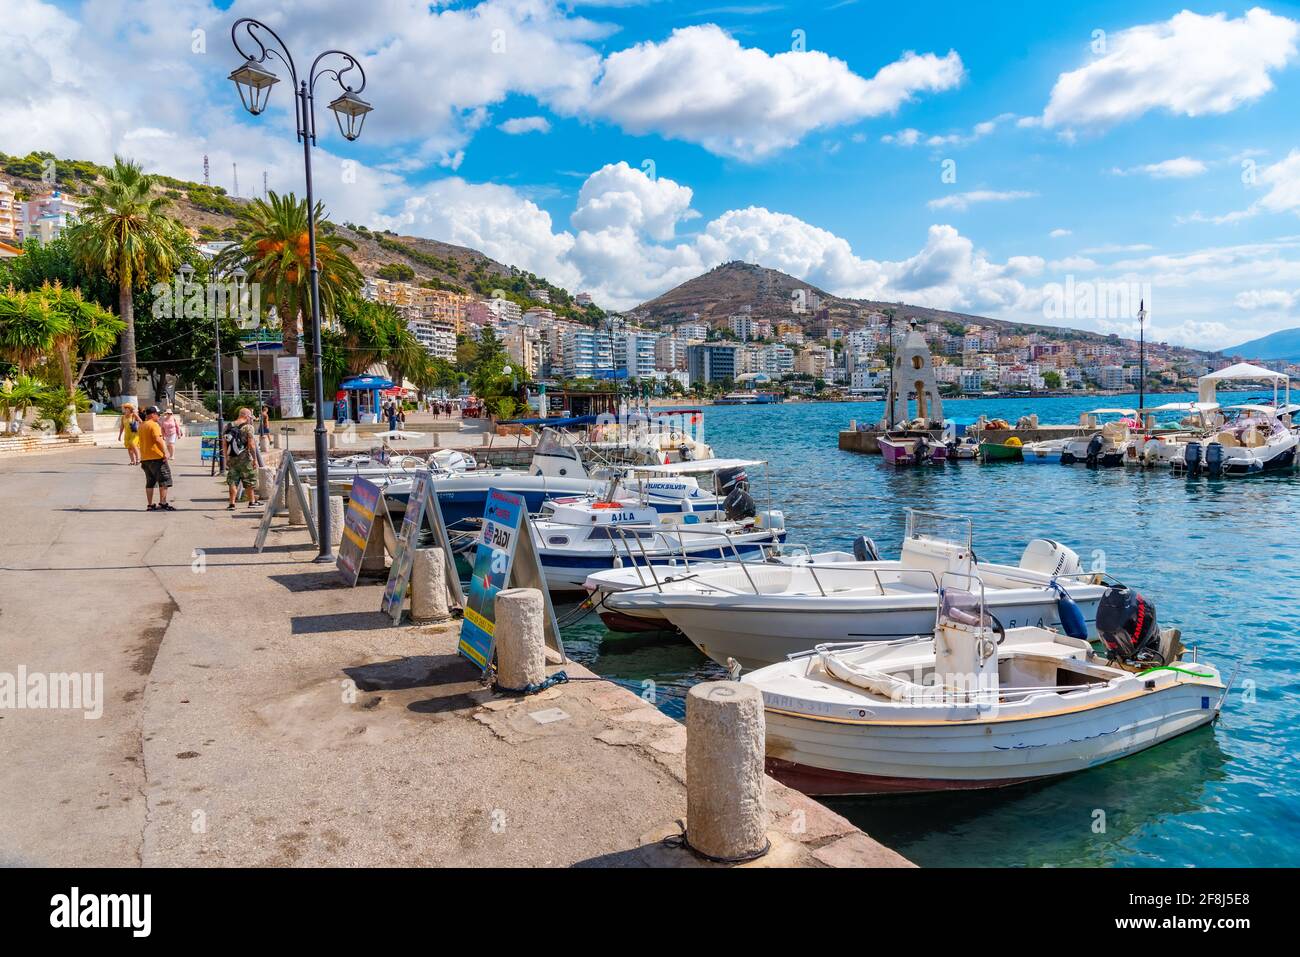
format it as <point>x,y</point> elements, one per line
<point>1126,624</point>
<point>1214,459</point>
<point>732,478</point>
<point>1192,458</point>
<point>1094,450</point>
<point>738,505</point>
<point>865,550</point>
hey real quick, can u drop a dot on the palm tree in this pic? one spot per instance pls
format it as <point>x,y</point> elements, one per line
<point>275,253</point>
<point>87,331</point>
<point>16,397</point>
<point>124,233</point>
<point>29,328</point>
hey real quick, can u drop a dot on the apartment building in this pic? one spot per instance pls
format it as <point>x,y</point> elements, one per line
<point>11,217</point>
<point>45,217</point>
<point>708,362</point>
<point>670,354</point>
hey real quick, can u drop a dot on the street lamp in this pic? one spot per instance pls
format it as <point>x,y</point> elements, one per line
<point>254,80</point>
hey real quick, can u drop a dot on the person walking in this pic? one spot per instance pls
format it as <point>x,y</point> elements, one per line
<point>171,432</point>
<point>264,430</point>
<point>152,449</point>
<point>128,432</point>
<point>241,458</point>
<point>390,410</point>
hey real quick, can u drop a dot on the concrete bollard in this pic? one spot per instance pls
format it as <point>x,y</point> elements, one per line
<point>336,519</point>
<point>265,480</point>
<point>296,515</point>
<point>429,586</point>
<point>520,638</point>
<point>726,812</point>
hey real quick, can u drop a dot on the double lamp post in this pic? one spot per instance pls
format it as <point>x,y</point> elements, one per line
<point>254,80</point>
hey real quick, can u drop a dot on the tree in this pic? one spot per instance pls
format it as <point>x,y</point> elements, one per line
<point>274,249</point>
<point>1052,379</point>
<point>28,328</point>
<point>88,332</point>
<point>17,396</point>
<point>124,233</point>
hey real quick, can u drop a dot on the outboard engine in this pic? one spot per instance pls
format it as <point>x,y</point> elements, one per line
<point>732,478</point>
<point>738,505</point>
<point>1192,458</point>
<point>1095,446</point>
<point>1214,459</point>
<point>1050,558</point>
<point>865,550</point>
<point>1126,624</point>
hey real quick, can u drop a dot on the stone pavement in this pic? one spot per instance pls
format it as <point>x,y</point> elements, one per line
<point>254,713</point>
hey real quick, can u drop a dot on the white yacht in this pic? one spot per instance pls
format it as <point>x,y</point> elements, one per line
<point>1107,446</point>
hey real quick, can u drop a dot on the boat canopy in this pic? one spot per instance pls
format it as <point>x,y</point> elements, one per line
<point>1183,407</point>
<point>699,465</point>
<point>1252,407</point>
<point>1244,370</point>
<point>1113,412</point>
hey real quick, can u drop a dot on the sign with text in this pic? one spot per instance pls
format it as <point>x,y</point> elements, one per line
<point>365,503</point>
<point>289,383</point>
<point>207,446</point>
<point>504,558</point>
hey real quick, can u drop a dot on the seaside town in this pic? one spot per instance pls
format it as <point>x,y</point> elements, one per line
<point>532,472</point>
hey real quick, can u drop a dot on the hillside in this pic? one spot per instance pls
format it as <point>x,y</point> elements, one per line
<point>1283,344</point>
<point>211,214</point>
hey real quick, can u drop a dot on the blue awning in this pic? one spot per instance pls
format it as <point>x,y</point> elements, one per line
<point>366,382</point>
<point>559,423</point>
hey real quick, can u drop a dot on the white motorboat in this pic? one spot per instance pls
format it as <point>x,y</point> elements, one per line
<point>1255,440</point>
<point>976,706</point>
<point>1106,447</point>
<point>575,538</point>
<point>1166,447</point>
<point>1048,450</point>
<point>761,613</point>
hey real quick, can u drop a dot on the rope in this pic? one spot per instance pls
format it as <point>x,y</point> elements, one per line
<point>558,678</point>
<point>682,841</point>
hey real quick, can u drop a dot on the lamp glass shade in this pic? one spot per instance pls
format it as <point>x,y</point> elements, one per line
<point>350,112</point>
<point>254,83</point>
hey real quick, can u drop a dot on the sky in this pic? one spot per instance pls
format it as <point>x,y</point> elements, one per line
<point>1037,162</point>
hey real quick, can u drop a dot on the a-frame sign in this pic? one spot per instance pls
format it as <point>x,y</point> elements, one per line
<point>287,480</point>
<point>505,558</point>
<point>423,501</point>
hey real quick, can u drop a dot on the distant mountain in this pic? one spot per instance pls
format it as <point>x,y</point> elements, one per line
<point>1284,344</point>
<point>723,290</point>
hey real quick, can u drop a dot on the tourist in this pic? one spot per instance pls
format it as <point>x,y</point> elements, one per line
<point>152,451</point>
<point>264,430</point>
<point>390,410</point>
<point>128,432</point>
<point>171,431</point>
<point>240,447</point>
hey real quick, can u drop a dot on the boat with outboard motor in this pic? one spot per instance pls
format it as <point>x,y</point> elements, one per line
<point>1254,440</point>
<point>912,447</point>
<point>1107,446</point>
<point>977,704</point>
<point>758,613</point>
<point>1047,450</point>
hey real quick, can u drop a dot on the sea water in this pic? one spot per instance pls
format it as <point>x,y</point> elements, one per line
<point>1217,557</point>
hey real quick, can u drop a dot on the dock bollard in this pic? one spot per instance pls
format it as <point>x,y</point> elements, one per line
<point>520,638</point>
<point>336,518</point>
<point>265,480</point>
<point>429,586</point>
<point>726,811</point>
<point>296,516</point>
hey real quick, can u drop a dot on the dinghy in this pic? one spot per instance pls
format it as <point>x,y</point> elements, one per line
<point>1106,447</point>
<point>979,705</point>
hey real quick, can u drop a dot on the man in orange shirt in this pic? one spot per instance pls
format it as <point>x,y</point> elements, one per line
<point>153,459</point>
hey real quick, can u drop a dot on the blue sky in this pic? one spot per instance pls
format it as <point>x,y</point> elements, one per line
<point>624,147</point>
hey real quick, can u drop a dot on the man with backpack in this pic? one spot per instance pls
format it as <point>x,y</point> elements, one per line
<point>241,458</point>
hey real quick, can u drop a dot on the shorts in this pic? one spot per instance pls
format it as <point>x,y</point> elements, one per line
<point>156,472</point>
<point>240,472</point>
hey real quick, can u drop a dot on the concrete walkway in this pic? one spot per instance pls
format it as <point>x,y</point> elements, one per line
<point>256,714</point>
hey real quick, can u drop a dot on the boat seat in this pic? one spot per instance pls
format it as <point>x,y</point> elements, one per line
<point>1254,439</point>
<point>1228,440</point>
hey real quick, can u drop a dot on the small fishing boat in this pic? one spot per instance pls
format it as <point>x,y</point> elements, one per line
<point>964,449</point>
<point>1012,450</point>
<point>1048,450</point>
<point>979,705</point>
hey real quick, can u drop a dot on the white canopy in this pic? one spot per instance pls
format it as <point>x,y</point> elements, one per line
<point>1183,407</point>
<point>699,465</point>
<point>1243,370</point>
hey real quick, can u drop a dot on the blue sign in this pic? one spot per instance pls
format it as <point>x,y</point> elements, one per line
<point>207,446</point>
<point>503,517</point>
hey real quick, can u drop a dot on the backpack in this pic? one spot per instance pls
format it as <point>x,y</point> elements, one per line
<point>235,440</point>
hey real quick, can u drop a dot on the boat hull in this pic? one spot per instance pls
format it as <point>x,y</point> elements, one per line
<point>762,634</point>
<point>824,757</point>
<point>568,572</point>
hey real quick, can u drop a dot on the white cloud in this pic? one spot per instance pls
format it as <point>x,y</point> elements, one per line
<point>910,137</point>
<point>907,137</point>
<point>1189,65</point>
<point>1252,299</point>
<point>702,86</point>
<point>1281,180</point>
<point>525,124</point>
<point>620,197</point>
<point>1072,264</point>
<point>963,201</point>
<point>1060,233</point>
<point>1116,248</point>
<point>1181,167</point>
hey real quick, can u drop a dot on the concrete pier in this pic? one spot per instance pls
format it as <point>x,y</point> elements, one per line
<point>256,713</point>
<point>868,440</point>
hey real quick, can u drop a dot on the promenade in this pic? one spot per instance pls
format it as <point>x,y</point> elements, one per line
<point>255,713</point>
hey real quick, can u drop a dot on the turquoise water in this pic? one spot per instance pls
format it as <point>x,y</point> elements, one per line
<point>1216,557</point>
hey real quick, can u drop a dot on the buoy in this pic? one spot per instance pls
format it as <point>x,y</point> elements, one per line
<point>1014,441</point>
